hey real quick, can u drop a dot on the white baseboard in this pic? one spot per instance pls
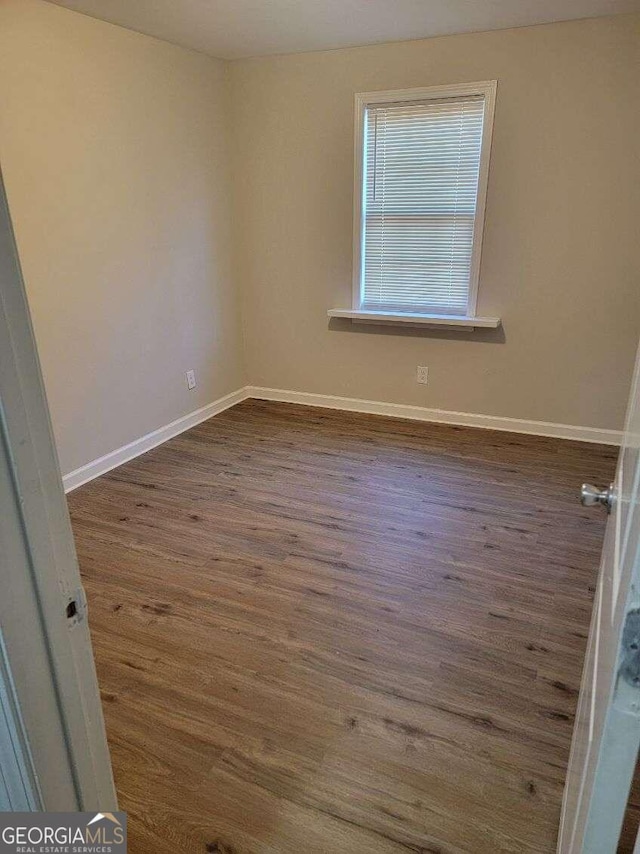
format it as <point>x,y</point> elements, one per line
<point>440,416</point>
<point>88,472</point>
<point>116,458</point>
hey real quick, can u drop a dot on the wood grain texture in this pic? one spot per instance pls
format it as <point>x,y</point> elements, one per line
<point>328,632</point>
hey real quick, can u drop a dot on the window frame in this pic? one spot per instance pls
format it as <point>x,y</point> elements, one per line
<point>486,88</point>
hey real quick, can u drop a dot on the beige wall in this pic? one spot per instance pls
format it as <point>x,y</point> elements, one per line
<point>120,153</point>
<point>561,251</point>
<point>114,148</point>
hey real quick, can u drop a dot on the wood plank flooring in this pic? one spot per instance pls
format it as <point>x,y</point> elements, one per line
<point>332,633</point>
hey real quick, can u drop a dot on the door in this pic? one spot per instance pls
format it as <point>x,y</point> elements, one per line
<point>607,728</point>
<point>54,749</point>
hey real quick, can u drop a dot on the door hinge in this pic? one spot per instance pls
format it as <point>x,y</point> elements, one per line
<point>76,608</point>
<point>630,665</point>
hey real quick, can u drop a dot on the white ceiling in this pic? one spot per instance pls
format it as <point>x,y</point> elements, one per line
<point>231,29</point>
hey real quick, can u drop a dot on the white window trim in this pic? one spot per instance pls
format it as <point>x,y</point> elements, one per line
<point>486,88</point>
<point>461,322</point>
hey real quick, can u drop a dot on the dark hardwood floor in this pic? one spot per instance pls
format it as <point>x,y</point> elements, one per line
<point>326,633</point>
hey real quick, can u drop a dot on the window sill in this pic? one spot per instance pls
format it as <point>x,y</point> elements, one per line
<point>451,321</point>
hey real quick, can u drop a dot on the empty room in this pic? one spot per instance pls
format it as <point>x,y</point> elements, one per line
<point>319,421</point>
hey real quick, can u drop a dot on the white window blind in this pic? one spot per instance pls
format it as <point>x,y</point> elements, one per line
<point>420,172</point>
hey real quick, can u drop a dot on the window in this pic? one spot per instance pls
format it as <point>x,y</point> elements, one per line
<point>422,161</point>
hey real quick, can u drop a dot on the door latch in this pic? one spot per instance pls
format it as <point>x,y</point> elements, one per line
<point>76,607</point>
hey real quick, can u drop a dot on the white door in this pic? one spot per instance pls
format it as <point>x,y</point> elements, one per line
<point>53,747</point>
<point>607,728</point>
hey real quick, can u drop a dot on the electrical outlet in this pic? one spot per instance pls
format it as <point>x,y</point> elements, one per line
<point>191,379</point>
<point>422,375</point>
